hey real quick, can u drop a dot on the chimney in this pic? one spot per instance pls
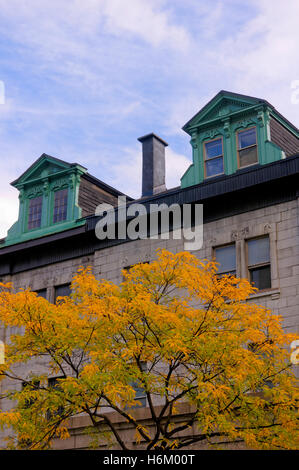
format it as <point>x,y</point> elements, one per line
<point>153,164</point>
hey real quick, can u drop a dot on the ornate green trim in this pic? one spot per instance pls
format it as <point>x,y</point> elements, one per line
<point>43,178</point>
<point>224,117</point>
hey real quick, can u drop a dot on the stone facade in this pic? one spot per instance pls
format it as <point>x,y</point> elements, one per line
<point>280,222</point>
<point>261,201</point>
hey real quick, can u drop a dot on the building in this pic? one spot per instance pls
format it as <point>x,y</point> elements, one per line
<point>245,172</point>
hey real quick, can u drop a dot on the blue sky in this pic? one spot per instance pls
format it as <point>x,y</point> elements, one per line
<point>84,79</point>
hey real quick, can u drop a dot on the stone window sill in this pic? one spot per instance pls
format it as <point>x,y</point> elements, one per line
<point>274,293</point>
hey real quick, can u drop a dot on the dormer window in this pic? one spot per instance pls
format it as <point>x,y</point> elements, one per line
<point>49,199</point>
<point>35,212</point>
<point>213,154</point>
<point>247,148</point>
<point>60,205</point>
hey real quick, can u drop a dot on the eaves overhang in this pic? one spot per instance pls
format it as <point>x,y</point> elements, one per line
<point>223,196</point>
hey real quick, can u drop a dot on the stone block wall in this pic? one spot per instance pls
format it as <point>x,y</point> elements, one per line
<point>280,222</point>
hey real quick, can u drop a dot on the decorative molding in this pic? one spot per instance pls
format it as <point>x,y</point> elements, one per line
<point>22,195</point>
<point>33,191</point>
<point>244,123</point>
<point>46,188</point>
<point>260,119</point>
<point>72,181</point>
<point>193,140</point>
<point>125,261</point>
<point>240,234</point>
<point>211,133</point>
<point>226,128</point>
<point>60,183</point>
<point>212,241</point>
<point>234,235</point>
<point>244,232</point>
<point>267,228</point>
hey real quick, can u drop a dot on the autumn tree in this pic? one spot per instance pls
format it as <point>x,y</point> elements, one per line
<point>175,329</point>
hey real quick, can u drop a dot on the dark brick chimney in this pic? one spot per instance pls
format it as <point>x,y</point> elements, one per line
<point>153,164</point>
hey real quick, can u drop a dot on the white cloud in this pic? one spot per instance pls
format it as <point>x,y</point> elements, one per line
<point>8,210</point>
<point>9,203</point>
<point>102,72</point>
<point>59,26</point>
<point>126,175</point>
<point>141,18</point>
<point>263,57</point>
<point>176,165</point>
<point>258,57</point>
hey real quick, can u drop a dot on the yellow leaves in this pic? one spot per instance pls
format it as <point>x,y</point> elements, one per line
<point>8,419</point>
<point>7,285</point>
<point>138,435</point>
<point>89,371</point>
<point>62,433</point>
<point>190,328</point>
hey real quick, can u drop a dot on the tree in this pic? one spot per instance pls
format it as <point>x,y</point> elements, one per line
<point>202,343</point>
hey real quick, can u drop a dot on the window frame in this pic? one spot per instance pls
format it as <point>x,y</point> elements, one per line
<point>239,131</point>
<point>213,158</point>
<point>258,265</point>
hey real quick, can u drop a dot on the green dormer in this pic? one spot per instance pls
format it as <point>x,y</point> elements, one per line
<point>233,132</point>
<point>48,195</point>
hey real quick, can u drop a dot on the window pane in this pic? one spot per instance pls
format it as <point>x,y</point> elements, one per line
<point>35,212</point>
<point>140,394</point>
<point>214,167</point>
<point>34,385</point>
<point>258,251</point>
<point>261,277</point>
<point>214,148</point>
<point>53,383</point>
<point>226,256</point>
<point>248,156</point>
<point>62,291</point>
<point>60,205</point>
<point>141,402</point>
<point>247,138</point>
<point>42,293</point>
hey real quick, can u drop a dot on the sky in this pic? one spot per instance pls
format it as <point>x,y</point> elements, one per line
<point>84,79</point>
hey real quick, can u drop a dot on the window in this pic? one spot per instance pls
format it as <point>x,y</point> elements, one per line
<point>35,212</point>
<point>42,293</point>
<point>140,394</point>
<point>257,348</point>
<point>60,206</point>
<point>259,267</point>
<point>25,443</point>
<point>53,383</point>
<point>226,257</point>
<point>127,268</point>
<point>33,385</point>
<point>247,148</point>
<point>62,291</point>
<point>213,151</point>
